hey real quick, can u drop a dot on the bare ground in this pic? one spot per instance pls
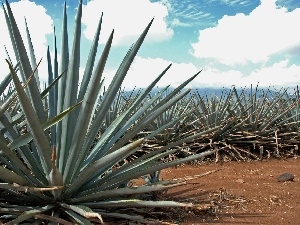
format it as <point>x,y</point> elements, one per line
<point>241,192</point>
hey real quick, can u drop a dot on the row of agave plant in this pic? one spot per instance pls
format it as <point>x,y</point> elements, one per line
<point>239,124</point>
<point>63,150</point>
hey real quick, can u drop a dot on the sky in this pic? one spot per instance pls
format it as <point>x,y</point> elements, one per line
<point>233,42</point>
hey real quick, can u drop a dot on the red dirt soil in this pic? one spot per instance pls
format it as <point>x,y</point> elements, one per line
<point>246,192</point>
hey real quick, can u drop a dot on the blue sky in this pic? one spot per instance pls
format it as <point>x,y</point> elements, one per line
<point>235,42</point>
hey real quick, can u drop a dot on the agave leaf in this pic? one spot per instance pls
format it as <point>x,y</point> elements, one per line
<point>137,203</point>
<point>71,91</point>
<point>51,99</point>
<point>105,162</point>
<point>7,103</point>
<point>55,68</point>
<point>83,211</point>
<point>51,85</point>
<point>55,92</point>
<point>34,123</point>
<point>90,62</point>
<point>15,210</point>
<point>78,219</point>
<point>32,55</point>
<point>62,87</point>
<point>30,213</point>
<point>7,19</point>
<point>59,117</point>
<point>11,177</point>
<point>161,166</point>
<point>124,191</point>
<point>25,189</point>
<point>6,81</point>
<point>13,96</point>
<point>26,138</point>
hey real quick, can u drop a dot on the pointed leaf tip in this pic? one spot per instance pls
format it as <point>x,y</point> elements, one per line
<point>151,21</point>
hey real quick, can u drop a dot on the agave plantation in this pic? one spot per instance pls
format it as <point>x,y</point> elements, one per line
<point>239,124</point>
<point>69,153</point>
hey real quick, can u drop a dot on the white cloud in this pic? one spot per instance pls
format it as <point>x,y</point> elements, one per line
<point>129,18</point>
<point>144,70</point>
<point>280,74</point>
<point>267,30</point>
<point>39,24</point>
<point>214,78</point>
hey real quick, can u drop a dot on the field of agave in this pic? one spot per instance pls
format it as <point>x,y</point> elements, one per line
<point>69,153</point>
<point>240,124</point>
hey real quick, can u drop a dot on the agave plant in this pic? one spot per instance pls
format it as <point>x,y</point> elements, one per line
<point>54,165</point>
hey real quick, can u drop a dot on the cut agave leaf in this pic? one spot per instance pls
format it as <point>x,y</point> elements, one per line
<point>83,211</point>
